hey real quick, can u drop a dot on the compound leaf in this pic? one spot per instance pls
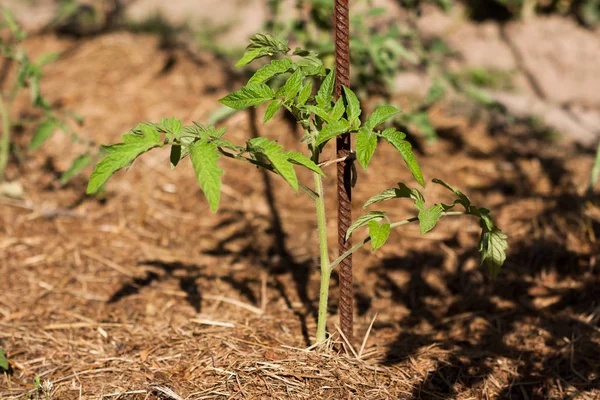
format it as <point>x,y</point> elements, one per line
<point>280,160</point>
<point>492,247</point>
<point>204,157</point>
<point>366,143</point>
<point>292,85</point>
<point>324,96</point>
<point>271,110</point>
<point>262,45</point>
<point>396,139</point>
<point>274,68</point>
<point>253,94</point>
<point>301,159</point>
<point>429,218</point>
<point>120,155</point>
<point>364,220</point>
<point>332,130</point>
<point>353,110</point>
<point>380,115</point>
<point>379,234</point>
<point>305,93</point>
<point>462,199</point>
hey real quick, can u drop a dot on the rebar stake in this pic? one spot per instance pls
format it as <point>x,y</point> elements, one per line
<point>344,170</point>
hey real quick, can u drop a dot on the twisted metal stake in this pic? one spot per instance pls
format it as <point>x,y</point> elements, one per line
<point>344,170</point>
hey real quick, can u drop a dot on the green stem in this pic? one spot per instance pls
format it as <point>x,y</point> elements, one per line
<point>5,139</point>
<point>325,267</point>
<point>368,238</point>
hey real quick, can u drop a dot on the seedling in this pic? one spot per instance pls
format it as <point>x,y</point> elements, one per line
<point>29,75</point>
<point>307,93</point>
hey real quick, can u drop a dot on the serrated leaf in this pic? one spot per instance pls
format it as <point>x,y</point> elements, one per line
<point>429,218</point>
<point>462,198</point>
<point>292,85</point>
<point>380,115</point>
<point>492,247</point>
<point>320,112</point>
<point>366,143</point>
<point>353,110</point>
<point>338,110</point>
<point>76,167</point>
<point>262,45</point>
<point>42,133</point>
<point>332,130</point>
<point>301,159</point>
<point>271,110</point>
<point>364,220</point>
<point>324,96</point>
<point>3,360</point>
<point>305,93</point>
<point>396,139</point>
<point>280,160</point>
<point>388,194</point>
<point>274,68</point>
<point>248,96</point>
<point>171,126</point>
<point>204,157</point>
<point>379,234</point>
<point>121,155</point>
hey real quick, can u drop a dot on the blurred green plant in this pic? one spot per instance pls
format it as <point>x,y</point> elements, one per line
<point>28,75</point>
<point>595,175</point>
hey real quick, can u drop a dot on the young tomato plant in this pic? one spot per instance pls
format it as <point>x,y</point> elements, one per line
<point>307,93</point>
<point>29,74</point>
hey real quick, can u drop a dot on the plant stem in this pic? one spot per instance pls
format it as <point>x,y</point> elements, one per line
<point>368,238</point>
<point>325,267</point>
<point>5,139</point>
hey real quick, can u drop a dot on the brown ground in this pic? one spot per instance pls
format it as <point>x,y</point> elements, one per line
<point>111,298</point>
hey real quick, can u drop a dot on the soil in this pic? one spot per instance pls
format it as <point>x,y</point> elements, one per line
<point>144,294</point>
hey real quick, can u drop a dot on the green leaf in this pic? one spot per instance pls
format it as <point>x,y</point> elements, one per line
<point>301,159</point>
<point>380,115</point>
<point>76,167</point>
<point>366,143</point>
<point>332,130</point>
<point>429,218</point>
<point>292,85</point>
<point>338,110</point>
<point>262,45</point>
<point>171,126</point>
<point>42,133</point>
<point>364,220</point>
<point>276,67</point>
<point>305,93</point>
<point>492,247</point>
<point>379,234</point>
<point>353,110</point>
<point>47,59</point>
<point>3,360</point>
<point>396,139</point>
<point>280,160</point>
<point>324,96</point>
<point>204,157</point>
<point>394,193</point>
<point>16,30</point>
<point>320,112</point>
<point>462,199</point>
<point>121,155</point>
<point>271,110</point>
<point>248,96</point>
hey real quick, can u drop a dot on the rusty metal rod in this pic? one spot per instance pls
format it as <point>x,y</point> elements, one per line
<point>344,170</point>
